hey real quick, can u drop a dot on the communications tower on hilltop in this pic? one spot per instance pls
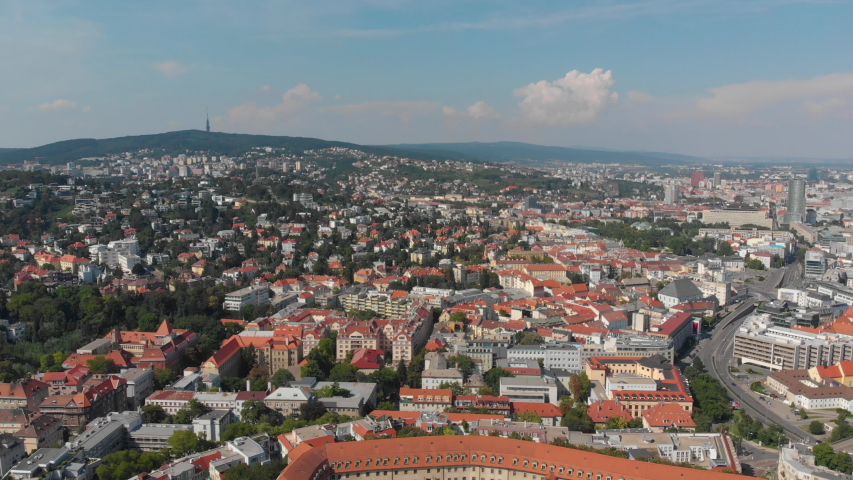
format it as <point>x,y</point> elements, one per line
<point>207,114</point>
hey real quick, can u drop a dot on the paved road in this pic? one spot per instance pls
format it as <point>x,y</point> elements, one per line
<point>716,353</point>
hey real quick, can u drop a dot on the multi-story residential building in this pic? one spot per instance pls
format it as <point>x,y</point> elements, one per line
<point>81,408</point>
<point>140,384</point>
<point>253,295</point>
<point>277,351</point>
<point>288,400</point>
<point>41,431</point>
<point>494,404</point>
<point>423,400</point>
<point>161,349</point>
<point>386,304</point>
<point>27,394</point>
<point>432,378</point>
<point>401,337</point>
<point>12,450</point>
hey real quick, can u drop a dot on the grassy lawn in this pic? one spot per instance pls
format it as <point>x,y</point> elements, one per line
<point>758,387</point>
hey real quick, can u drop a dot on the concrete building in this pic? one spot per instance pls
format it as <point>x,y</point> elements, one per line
<point>566,356</point>
<point>797,463</point>
<point>760,342</point>
<point>815,264</point>
<point>796,212</point>
<point>738,217</point>
<point>534,390</point>
<point>434,377</point>
<point>254,295</point>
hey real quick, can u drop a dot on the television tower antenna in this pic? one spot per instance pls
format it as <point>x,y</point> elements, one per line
<point>207,114</point>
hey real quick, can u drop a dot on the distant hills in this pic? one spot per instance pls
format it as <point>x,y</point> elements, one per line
<point>526,153</point>
<point>233,144</point>
<point>229,144</point>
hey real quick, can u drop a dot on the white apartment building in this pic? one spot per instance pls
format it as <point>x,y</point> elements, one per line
<point>565,356</point>
<point>254,295</point>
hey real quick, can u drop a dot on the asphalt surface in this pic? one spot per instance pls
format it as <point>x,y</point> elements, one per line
<point>716,352</point>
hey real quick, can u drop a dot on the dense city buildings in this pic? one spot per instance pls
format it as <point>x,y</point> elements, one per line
<point>233,295</point>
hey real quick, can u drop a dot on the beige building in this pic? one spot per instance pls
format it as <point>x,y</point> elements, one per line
<point>735,217</point>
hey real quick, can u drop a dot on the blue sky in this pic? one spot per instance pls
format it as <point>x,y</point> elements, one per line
<point>711,78</point>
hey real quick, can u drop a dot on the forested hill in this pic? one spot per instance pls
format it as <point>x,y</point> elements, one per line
<point>216,143</point>
<point>526,153</point>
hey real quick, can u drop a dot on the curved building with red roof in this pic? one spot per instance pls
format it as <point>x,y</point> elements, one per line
<point>471,457</point>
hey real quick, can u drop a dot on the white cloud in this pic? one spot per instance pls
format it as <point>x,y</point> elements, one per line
<point>478,111</point>
<point>403,110</point>
<point>744,98</point>
<point>639,97</point>
<point>87,109</point>
<point>265,88</point>
<point>292,102</point>
<point>576,99</point>
<point>824,107</point>
<point>57,105</point>
<point>172,69</point>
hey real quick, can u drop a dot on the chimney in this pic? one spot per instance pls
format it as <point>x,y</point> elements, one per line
<point>248,385</point>
<point>269,387</point>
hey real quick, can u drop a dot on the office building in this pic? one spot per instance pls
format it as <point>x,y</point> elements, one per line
<point>796,201</point>
<point>671,193</point>
<point>760,342</point>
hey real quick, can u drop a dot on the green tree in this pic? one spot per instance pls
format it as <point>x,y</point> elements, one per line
<point>616,423</point>
<point>149,322</point>
<point>464,363</point>
<point>333,390</point>
<point>402,371</point>
<point>192,410</point>
<point>237,430</point>
<point>529,416</point>
<point>254,411</point>
<point>530,338</point>
<point>457,317</point>
<point>455,386</point>
<point>823,454</point>
<point>343,372</point>
<point>310,411</point>
<point>281,378</point>
<point>183,442</point>
<point>163,377</point>
<point>816,428</point>
<point>154,414</point>
<point>492,378</point>
<point>102,365</point>
<point>724,249</point>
